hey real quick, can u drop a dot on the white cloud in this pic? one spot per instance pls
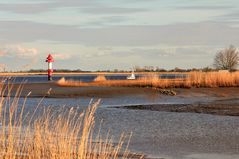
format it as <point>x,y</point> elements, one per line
<point>61,56</point>
<point>2,53</point>
<point>18,51</point>
<point>22,57</point>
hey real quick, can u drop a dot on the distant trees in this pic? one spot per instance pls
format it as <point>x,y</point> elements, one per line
<point>227,59</point>
<point>176,69</point>
<point>56,70</point>
<point>144,69</point>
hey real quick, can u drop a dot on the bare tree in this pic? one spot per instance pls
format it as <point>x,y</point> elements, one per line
<point>227,59</point>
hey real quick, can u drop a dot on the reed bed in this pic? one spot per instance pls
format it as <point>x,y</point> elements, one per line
<point>214,79</point>
<point>193,79</point>
<point>67,134</point>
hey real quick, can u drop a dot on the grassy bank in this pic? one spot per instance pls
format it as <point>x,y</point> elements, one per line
<point>63,135</point>
<point>194,79</point>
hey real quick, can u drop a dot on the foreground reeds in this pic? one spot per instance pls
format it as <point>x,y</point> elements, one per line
<point>193,79</point>
<point>46,134</point>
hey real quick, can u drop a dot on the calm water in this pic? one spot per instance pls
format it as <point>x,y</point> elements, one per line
<point>84,78</point>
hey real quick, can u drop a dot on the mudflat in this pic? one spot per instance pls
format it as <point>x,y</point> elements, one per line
<point>226,102</point>
<point>225,99</point>
<point>207,108</point>
<point>42,89</point>
<point>52,90</point>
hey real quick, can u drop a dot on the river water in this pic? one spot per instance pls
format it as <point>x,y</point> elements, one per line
<point>169,135</point>
<point>87,77</point>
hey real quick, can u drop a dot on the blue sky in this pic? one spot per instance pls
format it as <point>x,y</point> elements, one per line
<point>109,34</point>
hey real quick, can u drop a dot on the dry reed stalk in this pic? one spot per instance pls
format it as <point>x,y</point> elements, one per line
<point>214,79</point>
<point>67,134</point>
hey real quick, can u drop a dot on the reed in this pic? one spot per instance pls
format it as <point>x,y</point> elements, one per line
<point>214,79</point>
<point>193,79</point>
<point>50,135</point>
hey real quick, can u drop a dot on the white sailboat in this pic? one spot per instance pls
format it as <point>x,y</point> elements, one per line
<point>132,76</point>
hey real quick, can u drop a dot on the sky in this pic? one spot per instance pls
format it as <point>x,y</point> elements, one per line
<point>115,34</point>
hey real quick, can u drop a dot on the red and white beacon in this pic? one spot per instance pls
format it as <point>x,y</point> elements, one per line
<point>50,60</point>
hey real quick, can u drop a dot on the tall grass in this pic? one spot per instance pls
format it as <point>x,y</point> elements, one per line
<point>67,134</point>
<point>214,79</point>
<point>193,79</point>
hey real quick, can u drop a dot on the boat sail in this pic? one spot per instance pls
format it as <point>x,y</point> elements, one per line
<point>132,76</point>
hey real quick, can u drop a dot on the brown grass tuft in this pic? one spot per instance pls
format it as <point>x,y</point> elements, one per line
<point>66,83</point>
<point>100,78</point>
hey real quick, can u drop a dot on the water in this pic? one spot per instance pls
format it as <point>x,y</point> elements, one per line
<point>85,78</point>
<point>44,79</point>
<point>173,76</point>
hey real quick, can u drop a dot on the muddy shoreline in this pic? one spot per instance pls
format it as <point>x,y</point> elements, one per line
<point>52,90</point>
<point>41,89</point>
<point>206,108</point>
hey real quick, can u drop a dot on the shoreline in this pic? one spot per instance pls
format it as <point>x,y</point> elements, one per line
<point>40,89</point>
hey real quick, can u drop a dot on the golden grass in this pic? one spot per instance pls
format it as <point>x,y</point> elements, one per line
<point>214,79</point>
<point>50,135</point>
<point>194,79</point>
